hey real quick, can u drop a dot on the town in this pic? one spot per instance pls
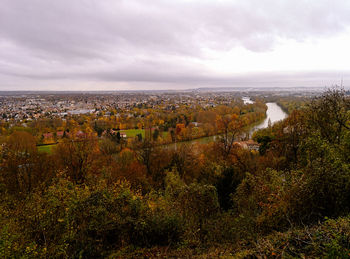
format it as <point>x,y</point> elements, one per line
<point>164,117</point>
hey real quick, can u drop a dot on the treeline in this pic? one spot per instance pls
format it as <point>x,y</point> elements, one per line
<point>92,199</point>
<point>159,124</point>
<point>289,104</point>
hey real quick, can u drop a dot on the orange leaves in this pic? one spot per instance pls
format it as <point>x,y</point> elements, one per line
<point>179,128</point>
<point>228,122</point>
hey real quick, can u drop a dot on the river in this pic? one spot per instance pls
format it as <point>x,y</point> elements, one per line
<point>274,113</point>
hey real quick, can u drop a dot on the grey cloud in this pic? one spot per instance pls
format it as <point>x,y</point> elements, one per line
<point>151,41</point>
<point>193,78</point>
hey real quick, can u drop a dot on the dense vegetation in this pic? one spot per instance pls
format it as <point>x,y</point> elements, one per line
<point>93,198</point>
<point>161,123</point>
<point>289,103</point>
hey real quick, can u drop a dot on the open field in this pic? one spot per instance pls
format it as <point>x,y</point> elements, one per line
<point>46,148</point>
<point>131,133</point>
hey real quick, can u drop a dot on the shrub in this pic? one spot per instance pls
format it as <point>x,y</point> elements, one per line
<point>330,239</point>
<point>74,220</point>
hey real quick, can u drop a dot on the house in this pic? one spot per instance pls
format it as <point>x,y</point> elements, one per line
<point>60,134</point>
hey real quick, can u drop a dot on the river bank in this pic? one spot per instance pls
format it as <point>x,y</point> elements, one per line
<point>274,113</point>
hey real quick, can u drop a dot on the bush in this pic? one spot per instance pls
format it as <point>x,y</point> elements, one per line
<point>197,204</point>
<point>73,220</point>
<point>330,239</point>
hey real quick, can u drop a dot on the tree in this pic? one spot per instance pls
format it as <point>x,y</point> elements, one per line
<point>230,126</point>
<point>76,156</point>
<point>184,160</point>
<point>139,137</point>
<point>22,167</point>
<point>294,130</point>
<point>144,152</point>
<point>329,115</point>
<point>155,160</point>
<point>155,134</point>
<point>226,186</point>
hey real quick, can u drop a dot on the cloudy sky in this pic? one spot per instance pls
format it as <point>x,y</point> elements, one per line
<point>173,44</point>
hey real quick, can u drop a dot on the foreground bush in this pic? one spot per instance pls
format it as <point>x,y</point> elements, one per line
<point>330,239</point>
<point>75,220</point>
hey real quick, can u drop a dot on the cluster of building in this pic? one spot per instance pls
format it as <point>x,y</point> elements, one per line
<point>31,106</point>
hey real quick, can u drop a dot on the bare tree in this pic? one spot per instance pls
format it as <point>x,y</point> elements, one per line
<point>231,127</point>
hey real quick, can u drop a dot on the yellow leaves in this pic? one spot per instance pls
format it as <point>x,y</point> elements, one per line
<point>88,129</point>
<point>254,152</point>
<point>122,126</point>
<point>236,110</point>
<point>151,205</point>
<point>31,250</point>
<point>234,117</point>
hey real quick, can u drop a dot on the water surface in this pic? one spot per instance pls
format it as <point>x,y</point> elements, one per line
<point>274,114</point>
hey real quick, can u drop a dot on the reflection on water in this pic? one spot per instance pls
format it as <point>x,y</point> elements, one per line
<point>274,113</point>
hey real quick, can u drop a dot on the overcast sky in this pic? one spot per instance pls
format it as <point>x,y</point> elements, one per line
<point>174,44</point>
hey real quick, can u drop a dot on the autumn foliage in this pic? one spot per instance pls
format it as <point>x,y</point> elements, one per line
<point>100,194</point>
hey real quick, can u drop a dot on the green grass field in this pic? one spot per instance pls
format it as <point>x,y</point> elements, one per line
<point>131,133</point>
<point>46,148</point>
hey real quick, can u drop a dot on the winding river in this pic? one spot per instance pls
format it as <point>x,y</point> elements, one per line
<point>274,113</point>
